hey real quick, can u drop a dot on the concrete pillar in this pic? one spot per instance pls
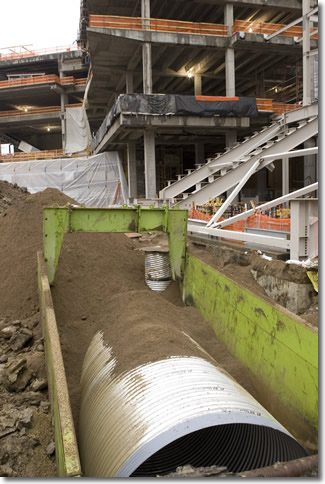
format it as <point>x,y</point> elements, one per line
<point>285,176</point>
<point>262,184</point>
<point>231,139</point>
<point>230,53</point>
<point>199,153</point>
<point>197,85</point>
<point>132,169</point>
<point>129,82</point>
<point>310,163</point>
<point>150,164</point>
<point>146,49</point>
<point>306,60</point>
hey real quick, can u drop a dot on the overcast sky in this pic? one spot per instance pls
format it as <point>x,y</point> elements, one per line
<point>42,23</point>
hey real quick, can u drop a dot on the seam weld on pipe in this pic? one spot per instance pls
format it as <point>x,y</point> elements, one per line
<point>176,411</point>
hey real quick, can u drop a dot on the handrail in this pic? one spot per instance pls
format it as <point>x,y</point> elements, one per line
<point>201,28</point>
<point>12,54</point>
<point>33,111</point>
<point>32,81</point>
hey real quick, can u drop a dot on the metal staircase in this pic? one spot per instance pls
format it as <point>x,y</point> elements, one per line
<point>221,173</point>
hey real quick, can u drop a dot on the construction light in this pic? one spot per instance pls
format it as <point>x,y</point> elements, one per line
<point>48,129</point>
<point>189,75</point>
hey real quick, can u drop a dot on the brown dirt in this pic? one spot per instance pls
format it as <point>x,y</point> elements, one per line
<point>100,285</point>
<point>23,443</point>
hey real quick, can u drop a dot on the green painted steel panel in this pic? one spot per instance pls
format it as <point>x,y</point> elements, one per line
<point>58,221</point>
<point>270,341</point>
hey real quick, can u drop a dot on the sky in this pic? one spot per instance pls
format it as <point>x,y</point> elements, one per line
<point>42,23</point>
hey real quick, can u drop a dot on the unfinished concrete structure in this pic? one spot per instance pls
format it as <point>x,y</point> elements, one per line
<point>199,48</point>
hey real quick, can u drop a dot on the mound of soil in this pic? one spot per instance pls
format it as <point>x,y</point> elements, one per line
<point>26,432</point>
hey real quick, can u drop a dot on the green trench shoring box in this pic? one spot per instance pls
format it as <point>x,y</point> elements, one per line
<point>272,343</point>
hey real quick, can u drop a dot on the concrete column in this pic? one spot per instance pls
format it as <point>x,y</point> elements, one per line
<point>230,53</point>
<point>132,169</point>
<point>285,176</point>
<point>150,164</point>
<point>197,85</point>
<point>199,153</point>
<point>306,61</point>
<point>129,82</point>
<point>146,49</point>
<point>310,164</point>
<point>64,101</point>
<point>231,139</point>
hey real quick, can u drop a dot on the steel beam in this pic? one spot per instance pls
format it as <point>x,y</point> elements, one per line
<point>265,206</point>
<point>229,180</point>
<point>236,153</point>
<point>235,192</point>
<point>242,236</point>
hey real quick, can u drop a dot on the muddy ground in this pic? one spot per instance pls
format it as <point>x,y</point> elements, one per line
<point>95,270</point>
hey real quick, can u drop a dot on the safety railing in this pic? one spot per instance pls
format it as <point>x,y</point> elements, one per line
<point>37,80</point>
<point>33,111</point>
<point>25,51</point>
<point>269,28</point>
<point>268,105</point>
<point>201,28</point>
<point>33,155</point>
<point>160,25</point>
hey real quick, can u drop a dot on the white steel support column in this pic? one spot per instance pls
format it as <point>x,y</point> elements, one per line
<point>132,169</point>
<point>197,85</point>
<point>146,49</point>
<point>230,53</point>
<point>306,67</point>
<point>150,163</point>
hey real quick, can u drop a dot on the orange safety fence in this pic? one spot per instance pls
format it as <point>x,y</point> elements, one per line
<point>201,28</point>
<point>32,81</point>
<point>24,51</point>
<point>256,221</point>
<point>269,105</point>
<point>32,155</point>
<point>250,26</point>
<point>159,25</point>
<point>34,111</point>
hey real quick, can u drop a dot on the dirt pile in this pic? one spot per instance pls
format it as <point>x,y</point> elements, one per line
<point>26,432</point>
<point>100,284</point>
<point>26,435</point>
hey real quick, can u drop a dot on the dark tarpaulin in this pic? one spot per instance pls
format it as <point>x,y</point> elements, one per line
<point>189,106</point>
<point>169,105</point>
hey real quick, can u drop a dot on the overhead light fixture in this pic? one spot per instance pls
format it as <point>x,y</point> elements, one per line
<point>48,128</point>
<point>25,110</point>
<point>189,75</point>
<point>250,30</point>
<point>276,89</point>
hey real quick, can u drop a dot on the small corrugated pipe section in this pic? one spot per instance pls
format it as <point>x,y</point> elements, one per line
<point>177,411</point>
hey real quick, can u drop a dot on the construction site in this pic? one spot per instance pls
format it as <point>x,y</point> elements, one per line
<point>159,244</point>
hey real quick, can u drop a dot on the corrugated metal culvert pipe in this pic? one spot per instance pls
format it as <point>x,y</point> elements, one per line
<point>180,410</point>
<point>157,270</point>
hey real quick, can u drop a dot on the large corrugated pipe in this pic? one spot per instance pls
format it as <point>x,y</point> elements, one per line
<point>150,419</point>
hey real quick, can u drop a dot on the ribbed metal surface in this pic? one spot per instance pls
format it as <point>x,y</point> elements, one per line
<point>157,271</point>
<point>181,410</point>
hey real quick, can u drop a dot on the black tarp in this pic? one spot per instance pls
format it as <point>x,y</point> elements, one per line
<point>171,105</point>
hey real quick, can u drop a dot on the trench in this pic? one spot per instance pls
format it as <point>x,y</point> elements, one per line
<point>100,286</point>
